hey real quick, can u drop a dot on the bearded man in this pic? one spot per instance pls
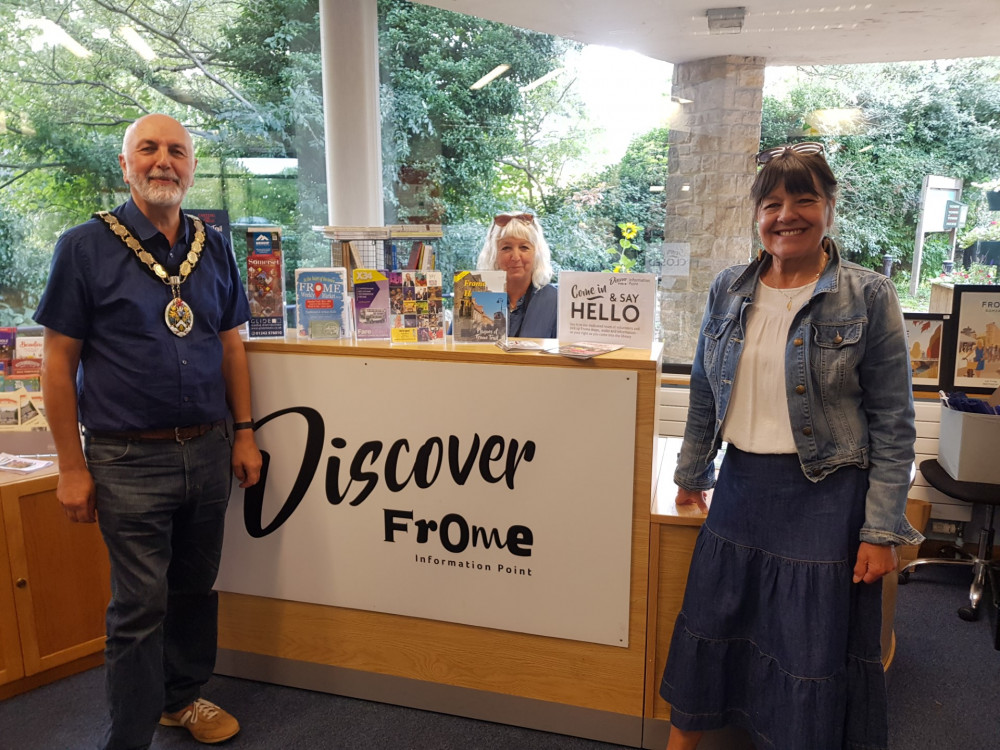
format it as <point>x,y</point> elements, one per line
<point>142,348</point>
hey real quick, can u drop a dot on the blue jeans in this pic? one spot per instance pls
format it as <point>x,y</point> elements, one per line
<point>161,507</point>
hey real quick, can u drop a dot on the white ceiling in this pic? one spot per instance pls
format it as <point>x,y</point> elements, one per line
<point>785,32</point>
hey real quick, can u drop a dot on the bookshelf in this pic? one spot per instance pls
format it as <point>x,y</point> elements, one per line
<point>391,248</point>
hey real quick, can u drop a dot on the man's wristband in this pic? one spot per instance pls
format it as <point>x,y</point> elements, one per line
<point>243,425</point>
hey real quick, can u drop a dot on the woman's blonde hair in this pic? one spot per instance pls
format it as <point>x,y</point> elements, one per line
<point>520,229</point>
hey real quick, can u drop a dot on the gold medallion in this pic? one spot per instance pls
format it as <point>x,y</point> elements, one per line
<point>179,317</point>
<point>178,314</point>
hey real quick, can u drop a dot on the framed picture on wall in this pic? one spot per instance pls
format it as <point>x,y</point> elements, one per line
<point>927,339</point>
<point>974,353</point>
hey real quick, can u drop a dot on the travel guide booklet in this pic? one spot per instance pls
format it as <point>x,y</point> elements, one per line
<point>481,313</point>
<point>322,309</point>
<point>371,304</point>
<point>416,307</point>
<point>265,282</point>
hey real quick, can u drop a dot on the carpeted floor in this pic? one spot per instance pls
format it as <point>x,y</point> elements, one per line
<point>944,694</point>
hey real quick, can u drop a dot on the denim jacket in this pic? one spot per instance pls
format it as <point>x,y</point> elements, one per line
<point>847,376</point>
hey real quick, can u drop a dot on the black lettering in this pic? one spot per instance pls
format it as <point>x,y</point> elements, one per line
<point>333,495</point>
<point>519,541</point>
<point>514,458</point>
<point>463,532</point>
<point>487,537</point>
<point>253,499</point>
<point>374,448</point>
<point>494,443</point>
<point>422,465</point>
<point>461,472</point>
<point>392,526</point>
<point>391,460</point>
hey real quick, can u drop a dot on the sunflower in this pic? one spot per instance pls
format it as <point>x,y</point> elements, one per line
<point>629,230</point>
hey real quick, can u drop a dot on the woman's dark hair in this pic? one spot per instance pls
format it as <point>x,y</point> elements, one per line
<point>795,173</point>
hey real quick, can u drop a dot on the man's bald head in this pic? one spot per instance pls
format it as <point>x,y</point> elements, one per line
<point>157,162</point>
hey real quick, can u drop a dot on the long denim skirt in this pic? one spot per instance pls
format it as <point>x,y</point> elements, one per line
<point>773,636</point>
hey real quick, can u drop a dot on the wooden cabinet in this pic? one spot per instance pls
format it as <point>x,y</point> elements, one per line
<point>54,587</point>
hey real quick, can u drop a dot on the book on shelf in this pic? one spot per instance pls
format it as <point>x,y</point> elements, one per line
<point>416,307</point>
<point>322,308</point>
<point>413,262</point>
<point>371,304</point>
<point>427,260</point>
<point>481,313</point>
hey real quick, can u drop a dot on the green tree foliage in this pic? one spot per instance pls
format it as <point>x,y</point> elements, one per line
<point>912,120</point>
<point>551,135</point>
<point>243,77</point>
<point>442,142</point>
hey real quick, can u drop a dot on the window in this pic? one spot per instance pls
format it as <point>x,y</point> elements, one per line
<point>244,77</point>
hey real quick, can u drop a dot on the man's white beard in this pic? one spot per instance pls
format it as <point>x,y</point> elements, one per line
<point>155,194</point>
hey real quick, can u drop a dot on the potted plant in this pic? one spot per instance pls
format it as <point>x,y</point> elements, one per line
<point>991,190</point>
<point>984,239</point>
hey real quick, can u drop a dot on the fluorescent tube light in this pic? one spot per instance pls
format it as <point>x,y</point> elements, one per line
<point>136,42</point>
<point>52,34</point>
<point>498,71</point>
<point>539,81</point>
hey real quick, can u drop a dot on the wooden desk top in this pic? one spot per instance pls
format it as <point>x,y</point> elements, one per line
<point>664,510</point>
<point>448,350</point>
<point>14,477</point>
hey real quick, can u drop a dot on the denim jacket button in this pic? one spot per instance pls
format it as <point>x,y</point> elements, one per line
<point>838,339</point>
<point>797,342</point>
<point>807,430</point>
<point>800,389</point>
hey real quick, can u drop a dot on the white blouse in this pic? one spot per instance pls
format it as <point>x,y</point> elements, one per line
<point>757,420</point>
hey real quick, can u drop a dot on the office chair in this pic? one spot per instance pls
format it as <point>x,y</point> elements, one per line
<point>980,562</point>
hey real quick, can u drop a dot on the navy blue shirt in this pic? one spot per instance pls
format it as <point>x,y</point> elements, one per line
<point>134,373</point>
<point>535,318</point>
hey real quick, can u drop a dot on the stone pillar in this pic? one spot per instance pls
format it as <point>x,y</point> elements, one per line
<point>713,139</point>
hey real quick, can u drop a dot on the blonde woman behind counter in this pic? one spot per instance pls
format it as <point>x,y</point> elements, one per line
<point>515,244</point>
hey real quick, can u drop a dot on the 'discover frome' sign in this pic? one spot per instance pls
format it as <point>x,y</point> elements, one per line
<point>498,496</point>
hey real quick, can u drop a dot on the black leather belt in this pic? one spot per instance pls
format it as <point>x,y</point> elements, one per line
<point>180,434</point>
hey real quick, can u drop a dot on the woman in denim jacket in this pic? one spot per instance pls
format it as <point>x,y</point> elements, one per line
<point>802,369</point>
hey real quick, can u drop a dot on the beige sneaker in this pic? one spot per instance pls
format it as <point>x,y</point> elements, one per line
<point>205,721</point>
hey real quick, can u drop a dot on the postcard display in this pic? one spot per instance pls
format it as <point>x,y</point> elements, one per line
<point>371,304</point>
<point>265,282</point>
<point>416,307</point>
<point>21,408</point>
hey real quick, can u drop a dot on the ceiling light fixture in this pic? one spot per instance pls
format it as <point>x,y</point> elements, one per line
<point>725,20</point>
<point>498,71</point>
<point>53,34</point>
<point>136,42</point>
<point>539,81</point>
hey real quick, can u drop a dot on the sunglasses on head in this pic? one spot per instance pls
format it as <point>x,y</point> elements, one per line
<point>809,148</point>
<point>502,220</point>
